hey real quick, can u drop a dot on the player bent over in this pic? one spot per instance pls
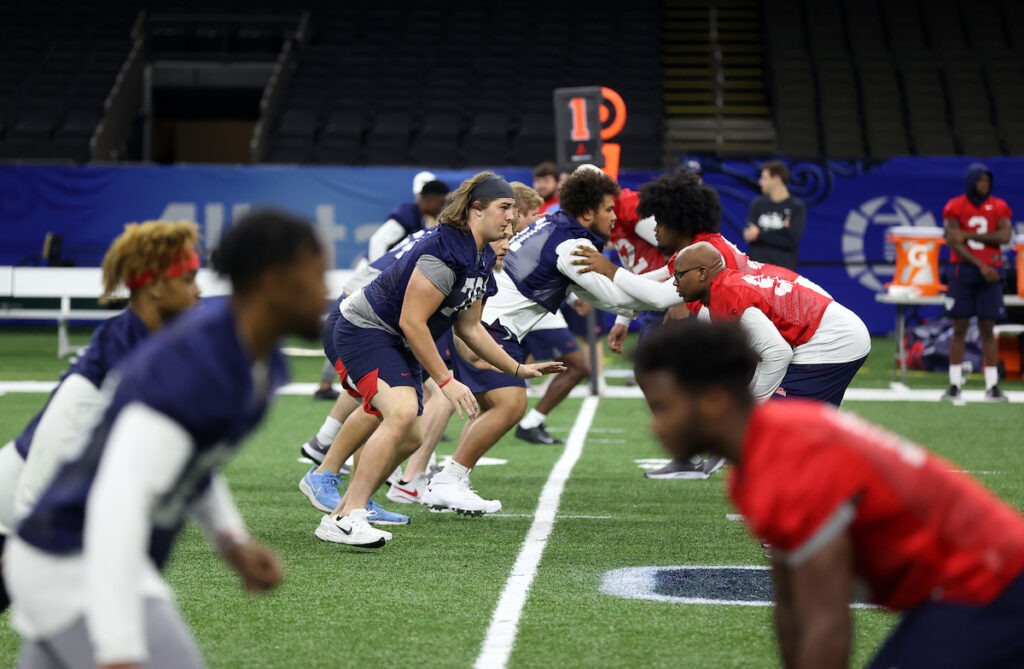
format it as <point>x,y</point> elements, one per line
<point>843,502</point>
<point>537,277</point>
<point>388,330</point>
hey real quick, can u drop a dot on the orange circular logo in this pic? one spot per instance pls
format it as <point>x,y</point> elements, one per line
<point>619,120</point>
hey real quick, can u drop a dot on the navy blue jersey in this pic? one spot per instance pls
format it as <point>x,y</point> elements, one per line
<point>110,343</point>
<point>197,373</point>
<point>399,249</point>
<point>457,251</point>
<point>532,262</point>
<point>408,214</point>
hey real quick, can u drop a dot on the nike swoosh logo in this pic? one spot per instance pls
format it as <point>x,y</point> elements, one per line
<point>343,530</point>
<point>405,373</point>
<point>410,493</point>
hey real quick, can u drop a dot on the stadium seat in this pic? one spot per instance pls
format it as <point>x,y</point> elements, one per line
<point>437,142</point>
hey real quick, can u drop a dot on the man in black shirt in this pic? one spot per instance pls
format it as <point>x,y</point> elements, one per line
<point>776,220</point>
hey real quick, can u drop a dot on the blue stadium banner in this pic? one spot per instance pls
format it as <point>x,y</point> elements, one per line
<point>89,205</point>
<point>850,206</point>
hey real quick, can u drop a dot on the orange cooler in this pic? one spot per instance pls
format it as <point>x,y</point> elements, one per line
<point>1018,246</point>
<point>917,259</point>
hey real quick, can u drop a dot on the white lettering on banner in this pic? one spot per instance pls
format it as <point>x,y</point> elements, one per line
<point>330,231</point>
<point>213,223</point>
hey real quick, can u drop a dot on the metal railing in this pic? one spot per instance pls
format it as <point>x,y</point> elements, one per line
<point>273,93</point>
<point>122,103</point>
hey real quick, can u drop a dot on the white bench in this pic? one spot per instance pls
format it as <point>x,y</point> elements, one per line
<point>67,283</point>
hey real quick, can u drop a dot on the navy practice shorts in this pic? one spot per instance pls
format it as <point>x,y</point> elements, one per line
<point>970,295</point>
<point>482,380</point>
<point>550,344</point>
<point>825,383</point>
<point>940,635</point>
<point>365,355</point>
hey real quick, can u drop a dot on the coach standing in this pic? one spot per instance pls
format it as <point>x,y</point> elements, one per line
<point>976,223</point>
<point>776,220</point>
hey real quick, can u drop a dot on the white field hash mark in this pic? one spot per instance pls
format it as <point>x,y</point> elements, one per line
<point>501,635</point>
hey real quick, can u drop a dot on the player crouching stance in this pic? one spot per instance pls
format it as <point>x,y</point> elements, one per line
<point>387,331</point>
<point>841,500</point>
<point>83,569</point>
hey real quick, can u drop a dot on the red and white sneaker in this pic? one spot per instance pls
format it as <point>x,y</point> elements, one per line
<point>409,493</point>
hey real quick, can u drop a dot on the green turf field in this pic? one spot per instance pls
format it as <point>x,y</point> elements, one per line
<point>429,595</point>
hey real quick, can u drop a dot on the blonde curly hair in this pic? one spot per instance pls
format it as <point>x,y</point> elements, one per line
<point>150,247</point>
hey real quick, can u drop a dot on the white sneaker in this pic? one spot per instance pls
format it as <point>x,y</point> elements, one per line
<point>447,491</point>
<point>410,493</point>
<point>352,530</point>
<point>394,477</point>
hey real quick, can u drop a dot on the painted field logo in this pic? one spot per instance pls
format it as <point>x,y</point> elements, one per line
<point>695,584</point>
<point>866,228</point>
<point>730,585</point>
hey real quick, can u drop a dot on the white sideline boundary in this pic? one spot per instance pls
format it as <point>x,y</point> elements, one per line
<point>501,634</point>
<point>622,392</point>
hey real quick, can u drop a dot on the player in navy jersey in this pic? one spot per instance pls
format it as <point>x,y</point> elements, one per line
<point>321,483</point>
<point>386,333</point>
<point>550,339</point>
<point>83,569</point>
<point>537,277</point>
<point>409,217</point>
<point>157,261</point>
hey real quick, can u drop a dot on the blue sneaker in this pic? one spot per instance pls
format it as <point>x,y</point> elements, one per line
<point>378,515</point>
<point>322,489</point>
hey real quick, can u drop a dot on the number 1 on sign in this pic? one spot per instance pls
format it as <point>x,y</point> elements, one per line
<point>580,131</point>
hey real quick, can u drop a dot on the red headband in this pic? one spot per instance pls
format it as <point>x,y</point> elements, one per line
<point>187,264</point>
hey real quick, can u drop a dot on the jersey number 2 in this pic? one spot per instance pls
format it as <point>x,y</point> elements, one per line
<point>979,225</point>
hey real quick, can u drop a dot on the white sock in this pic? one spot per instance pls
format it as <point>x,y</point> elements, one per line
<point>956,375</point>
<point>991,377</point>
<point>328,431</point>
<point>696,459</point>
<point>454,469</point>
<point>532,420</point>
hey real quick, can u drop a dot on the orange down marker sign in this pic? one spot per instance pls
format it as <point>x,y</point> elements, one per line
<point>612,152</point>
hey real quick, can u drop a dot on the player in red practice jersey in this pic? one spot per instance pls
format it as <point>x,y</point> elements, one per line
<point>810,345</point>
<point>633,238</point>
<point>976,223</point>
<point>686,212</point>
<point>844,502</point>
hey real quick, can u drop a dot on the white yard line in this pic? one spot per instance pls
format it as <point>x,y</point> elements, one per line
<point>501,634</point>
<point>619,392</point>
<point>530,515</point>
